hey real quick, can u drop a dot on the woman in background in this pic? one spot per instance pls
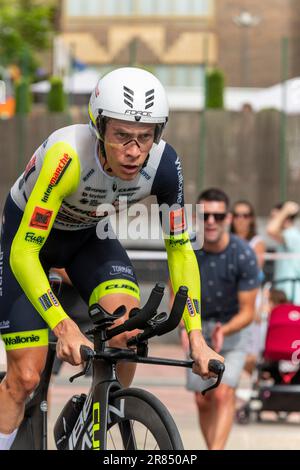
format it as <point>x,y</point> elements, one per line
<point>244,226</point>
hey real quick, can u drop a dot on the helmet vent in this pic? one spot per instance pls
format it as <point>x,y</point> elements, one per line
<point>128,96</point>
<point>149,99</point>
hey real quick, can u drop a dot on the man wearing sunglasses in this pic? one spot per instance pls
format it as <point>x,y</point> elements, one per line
<point>229,281</point>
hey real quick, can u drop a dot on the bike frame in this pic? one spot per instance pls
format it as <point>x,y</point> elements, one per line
<point>90,429</point>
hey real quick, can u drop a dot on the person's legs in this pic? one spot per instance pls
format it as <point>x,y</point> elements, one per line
<point>24,367</point>
<point>223,406</point>
<point>206,416</point>
<point>217,408</point>
<point>102,273</point>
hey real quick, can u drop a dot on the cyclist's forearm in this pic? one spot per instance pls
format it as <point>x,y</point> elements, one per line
<point>31,277</point>
<point>184,270</point>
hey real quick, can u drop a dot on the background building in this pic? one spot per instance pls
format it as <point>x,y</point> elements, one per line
<point>176,38</point>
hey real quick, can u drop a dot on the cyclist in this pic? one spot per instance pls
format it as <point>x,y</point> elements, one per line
<point>50,220</point>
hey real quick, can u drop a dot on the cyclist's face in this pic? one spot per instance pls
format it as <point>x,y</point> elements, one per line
<point>127,145</point>
<point>216,223</point>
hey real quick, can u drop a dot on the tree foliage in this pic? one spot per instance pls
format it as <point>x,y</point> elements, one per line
<point>25,29</point>
<point>214,89</point>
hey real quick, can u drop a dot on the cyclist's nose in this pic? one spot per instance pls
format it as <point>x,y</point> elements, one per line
<point>133,148</point>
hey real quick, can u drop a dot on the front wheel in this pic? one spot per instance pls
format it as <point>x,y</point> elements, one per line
<point>137,420</point>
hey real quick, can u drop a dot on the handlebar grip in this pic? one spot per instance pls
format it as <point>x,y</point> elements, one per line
<point>175,314</point>
<point>148,311</point>
<point>216,366</point>
<point>86,352</point>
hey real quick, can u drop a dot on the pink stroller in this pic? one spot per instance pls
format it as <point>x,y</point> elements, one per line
<point>277,386</point>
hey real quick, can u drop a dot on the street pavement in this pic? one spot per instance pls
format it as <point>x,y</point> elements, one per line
<point>168,384</point>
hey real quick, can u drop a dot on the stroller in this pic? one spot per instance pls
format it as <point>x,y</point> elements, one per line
<point>277,383</point>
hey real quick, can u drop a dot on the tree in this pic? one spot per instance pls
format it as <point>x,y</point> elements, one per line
<point>56,97</point>
<point>25,29</point>
<point>214,89</point>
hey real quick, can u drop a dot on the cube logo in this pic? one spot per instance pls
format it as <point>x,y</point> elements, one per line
<point>40,218</point>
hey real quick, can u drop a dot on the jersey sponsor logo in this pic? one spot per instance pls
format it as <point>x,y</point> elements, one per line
<point>53,298</point>
<point>121,286</point>
<point>40,218</point>
<point>145,174</point>
<point>121,270</point>
<point>88,175</point>
<point>175,243</point>
<point>196,305</point>
<point>45,302</point>
<point>64,162</point>
<point>177,220</point>
<point>180,181</point>
<point>34,238</point>
<point>190,307</point>
<point>4,324</point>
<point>21,339</point>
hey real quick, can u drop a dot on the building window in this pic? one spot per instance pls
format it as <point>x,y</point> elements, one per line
<point>139,7</point>
<point>169,75</point>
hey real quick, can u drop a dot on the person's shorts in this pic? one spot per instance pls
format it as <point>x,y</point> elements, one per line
<point>96,268</point>
<point>234,352</point>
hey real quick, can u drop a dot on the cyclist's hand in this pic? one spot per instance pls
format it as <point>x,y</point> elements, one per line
<point>217,337</point>
<point>69,341</point>
<point>201,354</point>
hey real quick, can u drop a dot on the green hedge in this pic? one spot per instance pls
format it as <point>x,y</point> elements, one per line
<point>56,99</point>
<point>23,96</point>
<point>214,89</point>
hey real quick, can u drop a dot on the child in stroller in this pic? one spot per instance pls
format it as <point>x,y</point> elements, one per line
<point>277,383</point>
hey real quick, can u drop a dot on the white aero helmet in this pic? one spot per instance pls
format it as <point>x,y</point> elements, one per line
<point>130,94</point>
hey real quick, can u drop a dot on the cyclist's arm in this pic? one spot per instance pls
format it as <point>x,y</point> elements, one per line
<point>182,261</point>
<point>184,270</point>
<point>61,170</point>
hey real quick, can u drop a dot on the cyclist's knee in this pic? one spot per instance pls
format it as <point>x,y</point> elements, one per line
<point>110,303</point>
<point>19,385</point>
<point>203,402</point>
<point>223,394</point>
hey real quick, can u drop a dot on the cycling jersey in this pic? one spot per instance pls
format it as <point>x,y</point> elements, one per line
<point>62,186</point>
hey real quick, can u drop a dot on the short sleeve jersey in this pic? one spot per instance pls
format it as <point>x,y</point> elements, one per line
<point>223,276</point>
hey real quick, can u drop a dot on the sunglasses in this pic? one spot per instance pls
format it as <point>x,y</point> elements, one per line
<point>219,217</point>
<point>242,215</point>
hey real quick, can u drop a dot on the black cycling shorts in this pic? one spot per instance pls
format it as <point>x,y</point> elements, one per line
<point>96,268</point>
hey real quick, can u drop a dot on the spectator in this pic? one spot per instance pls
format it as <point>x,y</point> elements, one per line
<point>229,279</point>
<point>281,227</point>
<point>244,226</point>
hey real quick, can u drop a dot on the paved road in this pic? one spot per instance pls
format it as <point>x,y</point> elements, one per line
<point>167,383</point>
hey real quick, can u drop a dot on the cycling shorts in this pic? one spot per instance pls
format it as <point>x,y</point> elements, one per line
<point>96,268</point>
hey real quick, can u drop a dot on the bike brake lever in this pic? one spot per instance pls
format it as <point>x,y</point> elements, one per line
<point>218,368</point>
<point>87,355</point>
